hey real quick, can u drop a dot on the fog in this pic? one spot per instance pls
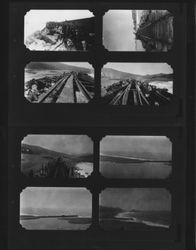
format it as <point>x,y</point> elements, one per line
<point>148,147</point>
<point>70,144</point>
<point>151,199</point>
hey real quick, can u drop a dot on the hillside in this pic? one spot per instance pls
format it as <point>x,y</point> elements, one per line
<point>36,150</point>
<point>39,161</point>
<point>55,66</point>
<point>108,212</point>
<point>115,74</point>
<point>119,75</point>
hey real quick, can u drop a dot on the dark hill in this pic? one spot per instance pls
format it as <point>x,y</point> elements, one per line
<point>31,149</point>
<point>115,74</point>
<point>108,212</point>
<point>55,66</point>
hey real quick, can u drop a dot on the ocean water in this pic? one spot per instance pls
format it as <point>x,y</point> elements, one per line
<point>137,220</point>
<point>54,224</point>
<point>150,218</point>
<point>162,84</point>
<point>146,170</point>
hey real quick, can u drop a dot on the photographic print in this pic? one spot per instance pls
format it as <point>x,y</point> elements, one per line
<point>137,84</point>
<point>138,30</point>
<point>135,208</point>
<point>59,82</point>
<point>49,208</point>
<point>57,156</point>
<point>59,30</point>
<point>136,157</point>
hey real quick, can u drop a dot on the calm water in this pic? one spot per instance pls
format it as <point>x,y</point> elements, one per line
<point>53,224</point>
<point>135,170</point>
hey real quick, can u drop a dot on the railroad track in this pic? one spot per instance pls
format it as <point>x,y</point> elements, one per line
<point>64,91</point>
<point>134,93</point>
<point>131,94</point>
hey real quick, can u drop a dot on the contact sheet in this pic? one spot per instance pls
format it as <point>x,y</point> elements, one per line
<point>97,120</point>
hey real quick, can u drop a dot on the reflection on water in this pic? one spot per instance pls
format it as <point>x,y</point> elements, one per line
<point>146,170</point>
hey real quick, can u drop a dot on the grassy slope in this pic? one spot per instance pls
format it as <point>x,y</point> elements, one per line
<point>38,156</point>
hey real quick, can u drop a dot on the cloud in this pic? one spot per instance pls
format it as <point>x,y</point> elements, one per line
<point>48,201</point>
<point>137,198</point>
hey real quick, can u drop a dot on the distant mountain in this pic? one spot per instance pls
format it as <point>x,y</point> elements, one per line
<point>115,74</point>
<point>158,77</point>
<point>119,75</point>
<point>55,66</point>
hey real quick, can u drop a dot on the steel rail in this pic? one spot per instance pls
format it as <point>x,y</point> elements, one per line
<point>82,88</point>
<point>162,96</point>
<point>144,98</point>
<point>126,94</point>
<point>58,84</point>
<point>117,97</point>
<point>139,96</point>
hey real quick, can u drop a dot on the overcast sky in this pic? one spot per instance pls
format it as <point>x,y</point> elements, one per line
<point>54,201</point>
<point>37,19</point>
<point>136,198</point>
<point>141,68</point>
<point>80,64</point>
<point>118,30</point>
<point>148,147</point>
<point>70,144</point>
